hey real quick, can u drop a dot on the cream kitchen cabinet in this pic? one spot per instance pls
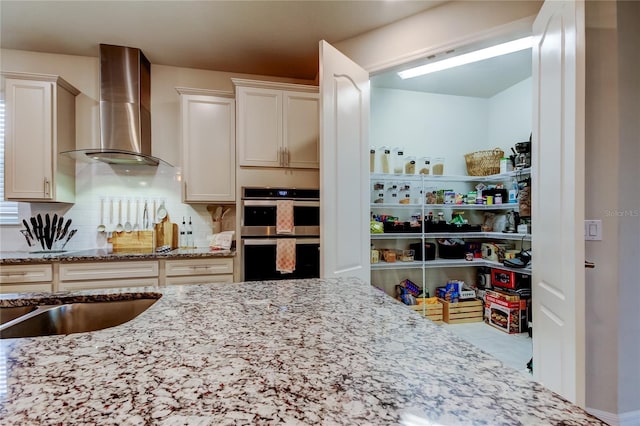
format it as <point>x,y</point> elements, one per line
<point>40,123</point>
<point>199,271</point>
<point>92,275</point>
<point>208,146</point>
<point>278,124</point>
<point>26,278</point>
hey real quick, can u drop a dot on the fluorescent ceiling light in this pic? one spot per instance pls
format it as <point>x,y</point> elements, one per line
<point>467,58</point>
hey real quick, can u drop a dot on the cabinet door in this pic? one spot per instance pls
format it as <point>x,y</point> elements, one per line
<point>301,130</point>
<point>208,148</point>
<point>28,140</point>
<point>259,114</point>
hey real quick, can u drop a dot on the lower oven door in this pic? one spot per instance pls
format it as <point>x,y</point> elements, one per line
<point>259,259</point>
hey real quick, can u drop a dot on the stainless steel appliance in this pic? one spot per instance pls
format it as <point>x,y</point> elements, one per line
<point>259,237</point>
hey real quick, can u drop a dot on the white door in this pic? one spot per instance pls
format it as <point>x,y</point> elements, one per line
<point>344,169</point>
<point>558,198</point>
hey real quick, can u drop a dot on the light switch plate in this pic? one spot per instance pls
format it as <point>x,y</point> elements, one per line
<point>593,230</point>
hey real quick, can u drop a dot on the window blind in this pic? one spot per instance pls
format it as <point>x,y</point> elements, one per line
<point>8,209</point>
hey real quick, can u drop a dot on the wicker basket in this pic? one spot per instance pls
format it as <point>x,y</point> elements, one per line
<point>484,163</point>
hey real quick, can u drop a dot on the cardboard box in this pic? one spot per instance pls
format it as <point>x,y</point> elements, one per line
<point>506,312</point>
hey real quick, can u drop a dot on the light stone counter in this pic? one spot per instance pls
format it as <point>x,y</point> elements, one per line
<point>330,352</point>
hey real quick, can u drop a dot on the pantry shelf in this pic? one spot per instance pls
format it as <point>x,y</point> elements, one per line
<point>446,263</point>
<point>451,178</point>
<point>494,235</point>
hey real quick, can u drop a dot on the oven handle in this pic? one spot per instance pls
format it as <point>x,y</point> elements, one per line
<point>272,203</point>
<point>272,241</point>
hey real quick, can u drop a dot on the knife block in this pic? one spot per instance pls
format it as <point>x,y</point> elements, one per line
<point>133,242</point>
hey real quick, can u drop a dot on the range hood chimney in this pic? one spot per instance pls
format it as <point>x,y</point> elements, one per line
<point>125,103</point>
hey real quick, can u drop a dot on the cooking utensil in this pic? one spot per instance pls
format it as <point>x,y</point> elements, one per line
<point>47,231</point>
<point>59,228</point>
<point>26,225</point>
<point>145,216</point>
<point>27,236</point>
<point>136,226</point>
<point>40,230</point>
<point>127,225</point>
<point>119,227</point>
<point>101,228</point>
<point>65,229</point>
<point>71,234</point>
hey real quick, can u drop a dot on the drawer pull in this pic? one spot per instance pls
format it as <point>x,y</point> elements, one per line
<point>15,274</point>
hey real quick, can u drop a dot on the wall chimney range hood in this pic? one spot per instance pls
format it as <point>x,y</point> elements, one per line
<point>125,104</point>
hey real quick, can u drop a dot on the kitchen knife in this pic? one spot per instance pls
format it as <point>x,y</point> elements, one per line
<point>66,228</point>
<point>47,231</point>
<point>40,234</point>
<point>71,234</point>
<point>26,225</point>
<point>59,230</point>
<point>34,226</point>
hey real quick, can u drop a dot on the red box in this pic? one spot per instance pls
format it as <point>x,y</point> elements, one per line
<point>505,312</point>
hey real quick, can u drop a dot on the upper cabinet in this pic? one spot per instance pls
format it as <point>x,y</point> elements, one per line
<point>40,123</point>
<point>208,146</point>
<point>278,124</point>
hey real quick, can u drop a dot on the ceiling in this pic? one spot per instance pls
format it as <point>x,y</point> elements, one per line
<point>270,38</point>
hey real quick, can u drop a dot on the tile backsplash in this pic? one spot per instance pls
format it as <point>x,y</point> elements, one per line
<point>96,182</point>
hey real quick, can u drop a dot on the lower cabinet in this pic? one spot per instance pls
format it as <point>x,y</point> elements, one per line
<point>26,278</point>
<point>81,276</point>
<point>199,271</point>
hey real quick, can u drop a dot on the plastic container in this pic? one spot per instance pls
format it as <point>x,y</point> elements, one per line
<point>438,166</point>
<point>424,166</point>
<point>385,159</point>
<point>372,160</point>
<point>410,166</point>
<point>398,161</point>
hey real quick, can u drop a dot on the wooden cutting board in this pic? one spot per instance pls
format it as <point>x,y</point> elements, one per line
<point>166,233</point>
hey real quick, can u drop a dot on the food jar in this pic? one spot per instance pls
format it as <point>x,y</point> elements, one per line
<point>372,160</point>
<point>438,166</point>
<point>385,159</point>
<point>410,166</point>
<point>398,161</point>
<point>424,166</point>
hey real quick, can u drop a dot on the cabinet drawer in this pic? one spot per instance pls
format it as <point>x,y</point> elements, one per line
<point>26,288</point>
<point>108,270</point>
<point>25,273</point>
<point>115,283</point>
<point>212,266</point>
<point>200,279</point>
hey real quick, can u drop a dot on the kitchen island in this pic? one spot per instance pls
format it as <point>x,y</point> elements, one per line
<point>335,351</point>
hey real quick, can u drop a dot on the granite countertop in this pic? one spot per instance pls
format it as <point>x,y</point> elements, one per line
<point>24,257</point>
<point>335,352</point>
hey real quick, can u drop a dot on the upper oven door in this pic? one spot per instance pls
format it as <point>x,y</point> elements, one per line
<point>259,218</point>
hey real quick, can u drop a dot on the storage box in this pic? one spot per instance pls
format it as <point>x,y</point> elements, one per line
<point>506,312</point>
<point>433,311</point>
<point>455,251</point>
<point>462,312</point>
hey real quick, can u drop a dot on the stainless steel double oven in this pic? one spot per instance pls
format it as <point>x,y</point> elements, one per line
<point>259,238</point>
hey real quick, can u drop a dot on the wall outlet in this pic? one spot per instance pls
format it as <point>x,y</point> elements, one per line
<point>593,230</point>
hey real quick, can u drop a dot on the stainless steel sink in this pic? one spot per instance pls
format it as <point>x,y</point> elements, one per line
<point>71,318</point>
<point>10,313</point>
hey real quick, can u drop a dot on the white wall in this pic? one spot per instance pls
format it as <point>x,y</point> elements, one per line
<point>435,125</point>
<point>97,181</point>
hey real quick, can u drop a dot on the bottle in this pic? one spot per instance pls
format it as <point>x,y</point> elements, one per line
<point>182,242</point>
<point>189,234</point>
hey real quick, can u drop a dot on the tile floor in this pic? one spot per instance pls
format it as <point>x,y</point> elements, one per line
<point>514,350</point>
